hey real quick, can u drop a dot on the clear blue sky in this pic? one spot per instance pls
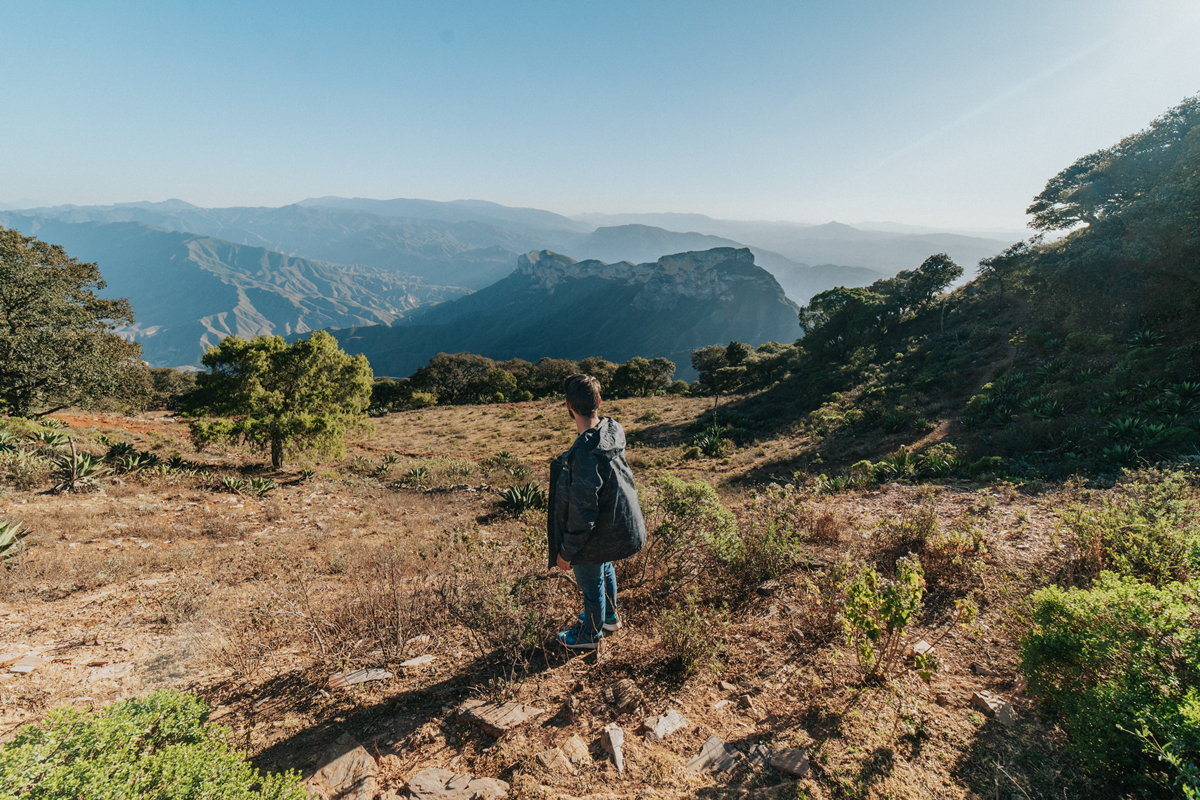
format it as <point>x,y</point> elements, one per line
<point>938,113</point>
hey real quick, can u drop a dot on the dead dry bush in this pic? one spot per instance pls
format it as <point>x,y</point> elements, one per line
<point>951,555</point>
<point>215,525</point>
<point>184,601</point>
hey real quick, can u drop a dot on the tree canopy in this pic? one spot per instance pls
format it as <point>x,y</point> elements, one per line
<point>274,395</point>
<point>58,345</point>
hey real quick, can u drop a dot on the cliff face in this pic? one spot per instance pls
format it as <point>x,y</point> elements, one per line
<point>552,305</point>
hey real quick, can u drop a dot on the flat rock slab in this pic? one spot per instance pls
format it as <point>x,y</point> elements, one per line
<point>442,784</point>
<point>716,756</point>
<point>109,672</point>
<point>349,773</point>
<point>498,718</point>
<point>659,728</point>
<point>340,680</point>
<point>1006,715</point>
<point>793,761</point>
<point>27,664</point>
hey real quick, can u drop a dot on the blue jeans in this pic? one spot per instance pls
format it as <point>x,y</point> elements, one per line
<point>598,583</point>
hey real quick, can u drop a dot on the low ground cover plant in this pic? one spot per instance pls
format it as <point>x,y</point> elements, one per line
<point>156,746</point>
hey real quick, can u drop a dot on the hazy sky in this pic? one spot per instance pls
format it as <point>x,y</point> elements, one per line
<point>938,113</point>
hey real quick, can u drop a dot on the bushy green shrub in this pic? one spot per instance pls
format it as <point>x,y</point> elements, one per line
<point>156,746</point>
<point>1147,528</point>
<point>1123,654</point>
<point>951,555</point>
<point>691,525</point>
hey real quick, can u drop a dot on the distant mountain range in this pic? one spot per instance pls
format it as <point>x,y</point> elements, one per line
<point>195,274</point>
<point>189,291</point>
<point>552,305</point>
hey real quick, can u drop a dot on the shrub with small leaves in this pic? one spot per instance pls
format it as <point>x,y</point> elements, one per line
<point>877,612</point>
<point>155,746</point>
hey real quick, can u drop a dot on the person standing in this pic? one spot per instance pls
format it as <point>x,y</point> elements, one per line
<point>593,518</point>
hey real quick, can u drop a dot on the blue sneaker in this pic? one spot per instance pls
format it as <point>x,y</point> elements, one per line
<point>576,639</point>
<point>611,624</point>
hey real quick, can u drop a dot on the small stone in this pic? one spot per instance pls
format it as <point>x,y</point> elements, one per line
<point>726,686</point>
<point>793,761</point>
<point>943,699</point>
<point>624,694</point>
<point>109,671</point>
<point>986,702</point>
<point>349,773</point>
<point>747,702</point>
<point>720,704</point>
<point>574,749</point>
<point>921,648</point>
<point>554,760</point>
<point>498,718</point>
<point>1006,715</point>
<point>340,680</point>
<point>418,662</point>
<point>659,728</point>
<point>442,784</point>
<point>715,755</point>
<point>611,739</point>
<point>767,588</point>
<point>982,671</point>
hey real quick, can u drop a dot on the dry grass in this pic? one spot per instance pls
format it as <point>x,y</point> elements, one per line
<point>254,603</point>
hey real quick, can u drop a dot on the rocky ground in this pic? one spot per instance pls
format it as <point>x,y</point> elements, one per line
<point>163,581</point>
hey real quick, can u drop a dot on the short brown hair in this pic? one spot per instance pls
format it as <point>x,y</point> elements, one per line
<point>583,393</point>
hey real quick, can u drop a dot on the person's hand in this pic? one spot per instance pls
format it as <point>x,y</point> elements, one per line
<point>563,565</point>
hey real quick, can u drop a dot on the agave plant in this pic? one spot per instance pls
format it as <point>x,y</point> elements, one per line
<point>79,472</point>
<point>711,440</point>
<point>232,484</point>
<point>10,541</point>
<point>119,450</point>
<point>307,474</point>
<point>260,487</point>
<point>1085,375</point>
<point>1126,428</point>
<point>417,475</point>
<point>516,499</point>
<point>178,464</point>
<point>1121,453</point>
<point>899,465</point>
<point>53,439</point>
<point>1052,409</point>
<point>1146,338</point>
<point>51,422</point>
<point>1188,390</point>
<point>8,442</point>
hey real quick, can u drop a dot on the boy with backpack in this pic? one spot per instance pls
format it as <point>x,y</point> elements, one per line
<point>593,518</point>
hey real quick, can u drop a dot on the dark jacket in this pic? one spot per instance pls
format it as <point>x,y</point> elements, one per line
<point>594,515</point>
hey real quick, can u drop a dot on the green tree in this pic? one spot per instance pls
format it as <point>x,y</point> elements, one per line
<point>933,276</point>
<point>839,318</point>
<point>642,377</point>
<point>723,369</point>
<point>58,347</point>
<point>456,378</point>
<point>600,369</point>
<point>274,395</point>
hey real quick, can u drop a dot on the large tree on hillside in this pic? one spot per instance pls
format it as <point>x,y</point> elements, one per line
<point>57,342</point>
<point>841,318</point>
<point>274,395</point>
